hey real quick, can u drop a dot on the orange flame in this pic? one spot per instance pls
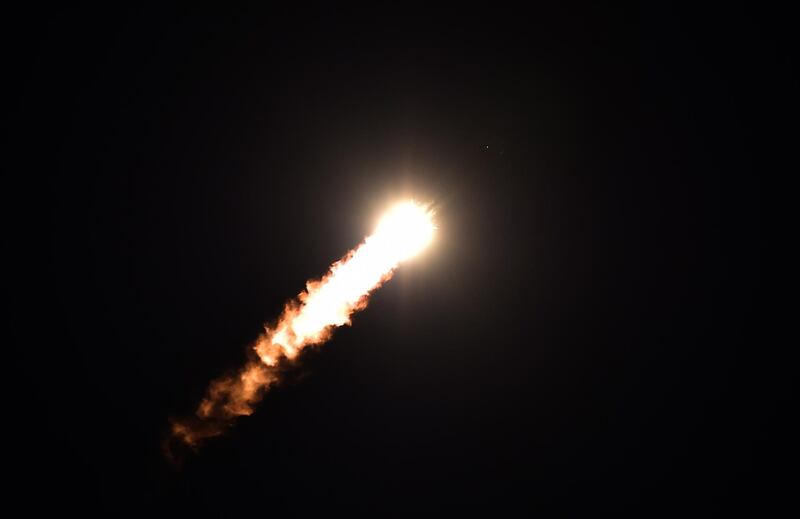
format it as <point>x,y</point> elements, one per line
<point>310,319</point>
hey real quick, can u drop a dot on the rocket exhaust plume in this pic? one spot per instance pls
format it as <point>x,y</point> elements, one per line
<point>308,319</point>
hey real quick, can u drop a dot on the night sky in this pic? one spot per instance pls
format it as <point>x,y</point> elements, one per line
<point>581,338</point>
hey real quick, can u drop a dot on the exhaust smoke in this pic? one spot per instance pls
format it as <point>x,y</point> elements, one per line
<point>309,319</point>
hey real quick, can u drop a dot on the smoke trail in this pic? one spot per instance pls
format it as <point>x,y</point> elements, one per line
<point>309,319</point>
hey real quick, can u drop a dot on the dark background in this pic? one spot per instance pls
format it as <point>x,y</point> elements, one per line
<point>584,336</point>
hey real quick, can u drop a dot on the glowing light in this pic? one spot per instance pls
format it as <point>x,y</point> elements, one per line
<point>405,230</point>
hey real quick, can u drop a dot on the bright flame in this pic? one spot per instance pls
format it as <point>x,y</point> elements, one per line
<point>403,232</point>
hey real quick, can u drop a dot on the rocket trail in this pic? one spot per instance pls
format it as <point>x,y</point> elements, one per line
<point>309,319</point>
